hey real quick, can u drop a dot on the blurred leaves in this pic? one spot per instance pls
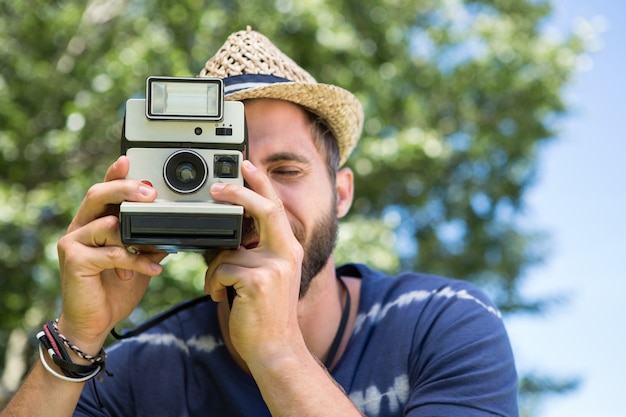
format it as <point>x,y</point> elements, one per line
<point>534,387</point>
<point>459,98</point>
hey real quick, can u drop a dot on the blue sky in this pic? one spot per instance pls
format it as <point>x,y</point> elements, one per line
<point>580,199</point>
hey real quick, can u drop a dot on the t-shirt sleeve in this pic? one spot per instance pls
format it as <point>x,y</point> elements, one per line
<point>461,362</point>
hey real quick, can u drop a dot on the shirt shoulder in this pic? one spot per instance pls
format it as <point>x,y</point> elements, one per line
<point>414,294</point>
<point>420,340</point>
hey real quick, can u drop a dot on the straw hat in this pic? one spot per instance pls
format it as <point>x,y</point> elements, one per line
<point>252,67</point>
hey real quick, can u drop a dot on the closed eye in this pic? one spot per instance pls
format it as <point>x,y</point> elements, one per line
<point>287,172</point>
<point>286,165</point>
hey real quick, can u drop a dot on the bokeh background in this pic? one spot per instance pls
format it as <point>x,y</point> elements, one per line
<point>580,197</point>
<point>491,152</point>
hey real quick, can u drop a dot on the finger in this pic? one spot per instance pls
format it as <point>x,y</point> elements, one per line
<point>260,202</point>
<point>95,234</point>
<point>155,267</point>
<point>227,270</point>
<point>259,182</point>
<point>225,275</point>
<point>217,292</point>
<point>101,197</point>
<point>241,269</point>
<point>98,245</point>
<point>118,170</point>
<point>90,261</point>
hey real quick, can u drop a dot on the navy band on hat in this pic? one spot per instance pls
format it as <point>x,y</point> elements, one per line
<point>245,81</point>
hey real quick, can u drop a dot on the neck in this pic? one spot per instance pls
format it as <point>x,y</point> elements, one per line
<point>319,311</point>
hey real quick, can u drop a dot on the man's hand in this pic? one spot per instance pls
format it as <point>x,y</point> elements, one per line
<point>266,277</point>
<point>102,282</point>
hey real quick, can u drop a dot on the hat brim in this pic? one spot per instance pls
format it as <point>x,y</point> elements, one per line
<point>338,107</point>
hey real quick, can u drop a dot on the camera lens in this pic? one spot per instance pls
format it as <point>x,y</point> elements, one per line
<point>185,172</point>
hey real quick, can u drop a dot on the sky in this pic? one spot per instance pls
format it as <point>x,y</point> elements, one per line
<point>580,200</point>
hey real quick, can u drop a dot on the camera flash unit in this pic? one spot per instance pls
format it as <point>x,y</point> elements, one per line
<point>177,98</point>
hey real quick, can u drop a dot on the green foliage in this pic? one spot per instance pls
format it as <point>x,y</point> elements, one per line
<point>534,387</point>
<point>459,97</point>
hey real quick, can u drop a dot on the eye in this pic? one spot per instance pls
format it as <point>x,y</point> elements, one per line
<point>287,171</point>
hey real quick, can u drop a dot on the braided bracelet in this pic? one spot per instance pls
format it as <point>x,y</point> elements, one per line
<point>99,358</point>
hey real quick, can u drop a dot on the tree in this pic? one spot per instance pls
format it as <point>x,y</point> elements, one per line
<point>459,98</point>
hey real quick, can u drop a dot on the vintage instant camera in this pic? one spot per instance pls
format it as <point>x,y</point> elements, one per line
<point>181,139</point>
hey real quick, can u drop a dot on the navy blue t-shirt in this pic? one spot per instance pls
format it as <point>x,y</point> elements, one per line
<point>422,345</point>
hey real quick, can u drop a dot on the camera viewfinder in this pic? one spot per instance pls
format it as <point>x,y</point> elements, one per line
<point>226,166</point>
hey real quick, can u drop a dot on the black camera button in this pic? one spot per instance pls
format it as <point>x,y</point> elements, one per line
<point>223,131</point>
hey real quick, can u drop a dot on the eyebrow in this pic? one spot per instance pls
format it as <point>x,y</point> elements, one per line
<point>285,156</point>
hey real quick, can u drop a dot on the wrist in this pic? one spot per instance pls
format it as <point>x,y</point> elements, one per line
<point>89,345</point>
<point>279,359</point>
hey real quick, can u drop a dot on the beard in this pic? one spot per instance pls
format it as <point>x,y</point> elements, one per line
<point>318,246</point>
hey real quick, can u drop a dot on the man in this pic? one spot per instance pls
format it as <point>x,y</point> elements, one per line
<point>303,337</point>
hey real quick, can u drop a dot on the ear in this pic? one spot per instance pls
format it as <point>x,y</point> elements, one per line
<point>345,190</point>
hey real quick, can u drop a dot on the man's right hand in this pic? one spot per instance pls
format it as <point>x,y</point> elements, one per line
<point>102,282</point>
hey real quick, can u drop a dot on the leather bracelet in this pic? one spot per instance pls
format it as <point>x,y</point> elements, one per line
<point>54,343</point>
<point>64,377</point>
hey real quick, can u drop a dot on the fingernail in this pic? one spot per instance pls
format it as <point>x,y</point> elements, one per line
<point>249,166</point>
<point>218,186</point>
<point>145,190</point>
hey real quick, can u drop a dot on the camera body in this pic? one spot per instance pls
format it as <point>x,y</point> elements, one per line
<point>180,140</point>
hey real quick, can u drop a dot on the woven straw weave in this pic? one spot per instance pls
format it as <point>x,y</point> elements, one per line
<point>249,52</point>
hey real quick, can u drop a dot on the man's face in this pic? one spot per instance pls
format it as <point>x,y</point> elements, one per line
<point>281,145</point>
